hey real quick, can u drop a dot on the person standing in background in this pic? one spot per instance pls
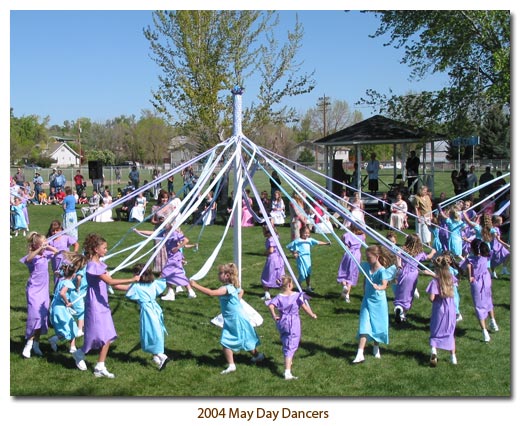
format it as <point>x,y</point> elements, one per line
<point>373,174</point>
<point>412,171</point>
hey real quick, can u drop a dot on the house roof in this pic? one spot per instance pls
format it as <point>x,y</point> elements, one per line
<point>56,146</point>
<point>376,130</point>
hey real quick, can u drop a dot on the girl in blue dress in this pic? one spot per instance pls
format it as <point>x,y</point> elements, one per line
<point>301,250</point>
<point>455,227</point>
<point>61,316</point>
<point>151,319</point>
<point>237,333</point>
<point>373,317</point>
<point>20,222</point>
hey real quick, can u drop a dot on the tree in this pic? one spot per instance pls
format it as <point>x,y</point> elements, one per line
<point>202,54</point>
<point>153,135</point>
<point>306,156</point>
<point>471,46</point>
<point>28,137</point>
<point>495,135</point>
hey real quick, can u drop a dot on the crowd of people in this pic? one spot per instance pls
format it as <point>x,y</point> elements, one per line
<point>455,241</point>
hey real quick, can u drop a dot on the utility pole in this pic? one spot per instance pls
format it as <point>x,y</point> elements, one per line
<point>323,104</point>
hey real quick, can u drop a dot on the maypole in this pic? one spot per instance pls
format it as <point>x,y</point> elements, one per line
<point>239,180</point>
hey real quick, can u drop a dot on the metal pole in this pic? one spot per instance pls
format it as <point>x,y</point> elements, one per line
<point>237,215</point>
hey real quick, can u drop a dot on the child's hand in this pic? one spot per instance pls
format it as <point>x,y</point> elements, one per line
<point>276,317</point>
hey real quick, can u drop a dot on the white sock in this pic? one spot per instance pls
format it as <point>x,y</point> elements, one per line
<point>360,352</point>
<point>100,366</point>
<point>434,351</point>
<point>29,343</point>
<point>287,372</point>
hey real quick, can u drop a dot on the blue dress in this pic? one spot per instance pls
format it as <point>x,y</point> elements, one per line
<point>77,296</point>
<point>151,317</point>
<point>19,217</point>
<point>237,333</point>
<point>61,318</point>
<point>455,242</point>
<point>303,261</point>
<point>373,317</point>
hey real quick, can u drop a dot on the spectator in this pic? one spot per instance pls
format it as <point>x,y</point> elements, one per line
<point>38,186</point>
<point>412,172</point>
<point>117,172</point>
<point>19,177</point>
<point>60,195</point>
<point>484,178</point>
<point>79,181</point>
<point>43,199</point>
<point>373,174</point>
<point>463,178</point>
<point>383,210</point>
<point>123,211</point>
<point>134,177</point>
<point>60,181</point>
<point>276,183</point>
<point>471,178</point>
<point>52,179</point>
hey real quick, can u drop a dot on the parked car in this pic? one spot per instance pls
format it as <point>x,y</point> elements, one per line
<point>32,166</point>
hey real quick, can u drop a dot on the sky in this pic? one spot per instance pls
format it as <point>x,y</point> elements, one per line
<point>96,64</point>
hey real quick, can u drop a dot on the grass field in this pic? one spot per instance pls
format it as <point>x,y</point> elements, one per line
<point>323,362</point>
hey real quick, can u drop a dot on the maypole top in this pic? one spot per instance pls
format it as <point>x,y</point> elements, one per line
<point>237,90</point>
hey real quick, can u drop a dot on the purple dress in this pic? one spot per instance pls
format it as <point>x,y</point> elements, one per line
<point>407,282</point>
<point>443,319</point>
<point>274,265</point>
<point>63,242</point>
<point>37,293</point>
<point>99,326</point>
<point>349,268</point>
<point>289,325</point>
<point>173,271</point>
<point>481,287</point>
<point>498,252</point>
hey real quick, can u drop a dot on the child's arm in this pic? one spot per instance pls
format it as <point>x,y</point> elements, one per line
<point>308,311</point>
<point>221,291</point>
<point>114,282</point>
<point>63,295</point>
<point>122,287</point>
<point>431,254</point>
<point>275,316</point>
<point>382,286</point>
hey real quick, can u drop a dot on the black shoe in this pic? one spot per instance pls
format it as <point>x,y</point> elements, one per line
<point>397,314</point>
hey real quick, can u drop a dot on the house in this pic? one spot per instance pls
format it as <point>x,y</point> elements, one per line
<point>181,149</point>
<point>62,154</point>
<point>318,152</point>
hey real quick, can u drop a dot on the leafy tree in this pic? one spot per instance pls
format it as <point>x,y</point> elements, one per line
<point>27,137</point>
<point>495,135</point>
<point>306,156</point>
<point>153,135</point>
<point>471,46</point>
<point>202,54</point>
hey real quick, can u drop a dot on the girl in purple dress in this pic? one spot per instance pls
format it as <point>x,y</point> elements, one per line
<point>499,248</point>
<point>480,284</point>
<point>37,291</point>
<point>348,271</point>
<point>408,276</point>
<point>274,265</point>
<point>62,243</point>
<point>99,326</point>
<point>288,304</point>
<point>443,317</point>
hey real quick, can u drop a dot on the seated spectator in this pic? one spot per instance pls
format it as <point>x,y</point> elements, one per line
<point>43,199</point>
<point>60,195</point>
<point>138,210</point>
<point>83,198</point>
<point>123,211</point>
<point>93,204</point>
<point>398,216</point>
<point>383,210</point>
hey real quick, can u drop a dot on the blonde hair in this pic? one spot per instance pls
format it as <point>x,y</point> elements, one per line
<point>384,256</point>
<point>35,240</point>
<point>232,270</point>
<point>444,275</point>
<point>412,245</point>
<point>75,261</point>
<point>486,228</point>
<point>285,281</point>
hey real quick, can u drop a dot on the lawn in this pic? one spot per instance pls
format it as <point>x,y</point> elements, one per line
<point>323,362</point>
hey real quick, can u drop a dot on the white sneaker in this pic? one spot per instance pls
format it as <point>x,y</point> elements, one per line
<point>493,325</point>
<point>169,296</point>
<point>156,359</point>
<point>289,376</point>
<point>163,359</point>
<point>259,357</point>
<point>267,296</point>
<point>376,352</point>
<point>231,369</point>
<point>53,341</point>
<point>103,373</point>
<point>358,359</point>
<point>27,351</point>
<point>179,289</point>
<point>192,295</point>
<point>72,349</point>
<point>486,336</point>
<point>453,359</point>
<point>494,274</point>
<point>416,294</point>
<point>79,359</point>
<point>80,333</point>
<point>459,317</point>
<point>347,298</point>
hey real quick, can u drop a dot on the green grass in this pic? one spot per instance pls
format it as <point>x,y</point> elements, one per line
<point>322,362</point>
